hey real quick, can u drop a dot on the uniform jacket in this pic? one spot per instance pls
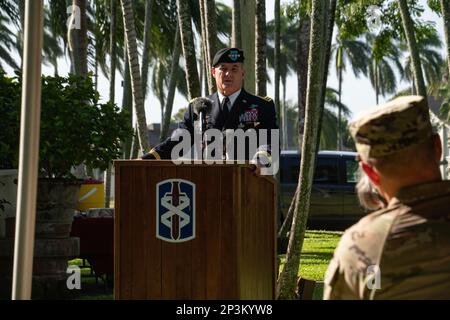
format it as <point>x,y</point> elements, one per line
<point>248,112</point>
<point>409,244</point>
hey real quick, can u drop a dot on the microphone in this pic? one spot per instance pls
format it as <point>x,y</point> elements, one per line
<point>202,108</point>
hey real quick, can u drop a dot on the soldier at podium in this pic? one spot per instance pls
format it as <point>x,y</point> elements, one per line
<point>232,108</point>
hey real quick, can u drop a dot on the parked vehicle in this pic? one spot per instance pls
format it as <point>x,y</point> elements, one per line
<point>334,204</point>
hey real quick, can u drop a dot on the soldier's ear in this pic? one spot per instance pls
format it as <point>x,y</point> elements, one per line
<point>213,72</point>
<point>370,172</point>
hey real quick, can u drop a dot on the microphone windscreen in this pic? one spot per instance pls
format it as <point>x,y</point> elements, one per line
<point>202,105</point>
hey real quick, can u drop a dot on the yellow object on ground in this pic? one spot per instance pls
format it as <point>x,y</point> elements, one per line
<point>91,196</point>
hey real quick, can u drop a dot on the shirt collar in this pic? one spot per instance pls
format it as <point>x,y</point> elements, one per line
<point>420,192</point>
<point>232,97</point>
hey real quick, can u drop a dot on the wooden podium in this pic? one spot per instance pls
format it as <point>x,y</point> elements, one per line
<point>232,254</point>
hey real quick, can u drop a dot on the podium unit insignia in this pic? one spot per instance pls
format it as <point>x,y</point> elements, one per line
<point>175,210</point>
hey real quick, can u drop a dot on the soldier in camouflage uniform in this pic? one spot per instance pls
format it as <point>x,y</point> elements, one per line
<point>403,250</point>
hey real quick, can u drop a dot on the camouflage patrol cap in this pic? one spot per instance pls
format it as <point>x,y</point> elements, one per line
<point>394,126</point>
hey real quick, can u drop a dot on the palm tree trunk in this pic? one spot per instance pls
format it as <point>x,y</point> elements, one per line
<point>78,40</point>
<point>112,83</point>
<point>136,85</point>
<point>204,49</point>
<point>277,68</point>
<point>207,72</point>
<point>377,85</point>
<point>127,103</point>
<point>135,145</point>
<point>260,46</point>
<point>201,73</point>
<point>287,282</point>
<point>112,52</point>
<point>339,133</point>
<point>445,8</point>
<point>145,50</point>
<point>207,59</point>
<point>172,85</point>
<point>211,36</point>
<point>284,118</point>
<point>96,69</point>
<point>329,40</point>
<point>288,220</point>
<point>236,25</point>
<point>303,41</point>
<point>248,12</point>
<point>287,223</point>
<point>408,26</point>
<point>187,43</point>
<point>21,4</point>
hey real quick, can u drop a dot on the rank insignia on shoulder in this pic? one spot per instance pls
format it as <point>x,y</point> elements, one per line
<point>267,98</point>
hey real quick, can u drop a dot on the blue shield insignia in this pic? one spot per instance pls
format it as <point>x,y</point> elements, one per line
<point>175,210</point>
<point>234,55</point>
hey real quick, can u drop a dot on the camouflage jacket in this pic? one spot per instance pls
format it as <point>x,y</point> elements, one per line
<point>401,252</point>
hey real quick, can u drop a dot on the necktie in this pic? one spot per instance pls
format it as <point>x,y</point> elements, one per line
<point>224,108</point>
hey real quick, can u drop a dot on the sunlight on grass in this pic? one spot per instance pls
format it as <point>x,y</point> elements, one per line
<point>317,252</point>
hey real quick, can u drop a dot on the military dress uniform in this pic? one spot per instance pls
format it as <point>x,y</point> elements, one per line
<point>247,112</point>
<point>402,251</point>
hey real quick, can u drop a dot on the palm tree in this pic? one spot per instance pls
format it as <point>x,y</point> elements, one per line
<point>9,14</point>
<point>210,40</point>
<point>355,53</point>
<point>382,62</point>
<point>260,46</point>
<point>236,25</point>
<point>319,18</point>
<point>7,43</point>
<point>145,49</point>
<point>429,52</point>
<point>276,62</point>
<point>205,76</point>
<point>247,17</point>
<point>445,9</point>
<point>52,49</point>
<point>408,28</point>
<point>287,54</point>
<point>165,121</point>
<point>133,58</point>
<point>187,43</point>
<point>330,126</point>
<point>78,39</point>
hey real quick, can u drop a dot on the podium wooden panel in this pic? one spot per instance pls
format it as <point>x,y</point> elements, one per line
<point>233,254</point>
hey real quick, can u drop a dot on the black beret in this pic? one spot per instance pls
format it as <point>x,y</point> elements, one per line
<point>228,55</point>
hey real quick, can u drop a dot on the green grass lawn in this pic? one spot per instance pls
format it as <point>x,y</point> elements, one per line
<point>318,249</point>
